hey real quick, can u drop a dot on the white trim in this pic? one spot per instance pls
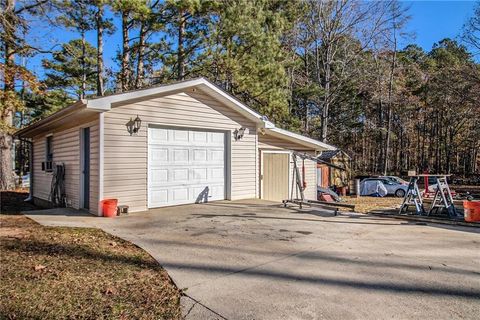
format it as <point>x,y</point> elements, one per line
<point>101,141</point>
<point>228,164</point>
<point>298,138</point>
<point>257,166</point>
<point>289,167</point>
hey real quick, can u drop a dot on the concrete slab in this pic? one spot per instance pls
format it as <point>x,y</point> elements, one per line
<point>256,260</point>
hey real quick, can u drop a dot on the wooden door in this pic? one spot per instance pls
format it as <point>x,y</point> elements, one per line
<point>275,176</point>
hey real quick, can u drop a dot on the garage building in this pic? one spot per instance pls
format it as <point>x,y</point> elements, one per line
<point>187,142</point>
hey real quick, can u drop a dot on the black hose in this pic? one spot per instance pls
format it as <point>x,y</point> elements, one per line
<point>57,189</point>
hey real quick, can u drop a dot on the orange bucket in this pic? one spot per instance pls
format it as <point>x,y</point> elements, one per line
<point>109,207</point>
<point>472,211</point>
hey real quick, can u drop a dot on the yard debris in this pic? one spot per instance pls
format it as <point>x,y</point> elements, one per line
<point>39,267</point>
<point>110,291</point>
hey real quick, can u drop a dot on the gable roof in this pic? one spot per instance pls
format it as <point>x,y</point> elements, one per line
<point>329,154</point>
<point>103,104</point>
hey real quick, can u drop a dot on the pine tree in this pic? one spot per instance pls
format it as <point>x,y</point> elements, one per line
<point>73,69</point>
<point>247,57</point>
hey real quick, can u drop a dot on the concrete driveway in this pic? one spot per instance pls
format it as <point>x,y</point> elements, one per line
<point>257,260</point>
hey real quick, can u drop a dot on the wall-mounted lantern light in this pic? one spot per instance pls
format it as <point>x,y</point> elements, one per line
<point>238,133</point>
<point>133,126</point>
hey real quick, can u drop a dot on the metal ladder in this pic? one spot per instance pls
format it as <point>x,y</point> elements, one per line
<point>413,197</point>
<point>298,188</point>
<point>443,199</point>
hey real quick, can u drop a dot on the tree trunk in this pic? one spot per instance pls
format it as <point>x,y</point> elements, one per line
<point>139,80</point>
<point>100,89</point>
<point>83,88</point>
<point>390,110</point>
<point>6,140</point>
<point>125,74</point>
<point>326,99</point>
<point>180,50</point>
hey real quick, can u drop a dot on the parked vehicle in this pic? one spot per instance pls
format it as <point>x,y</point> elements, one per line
<point>395,179</point>
<point>393,188</point>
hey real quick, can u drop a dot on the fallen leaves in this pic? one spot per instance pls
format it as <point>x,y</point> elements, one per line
<point>110,291</point>
<point>61,273</point>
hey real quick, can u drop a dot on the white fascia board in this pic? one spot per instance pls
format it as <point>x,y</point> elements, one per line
<point>105,103</point>
<point>295,137</point>
<point>268,125</point>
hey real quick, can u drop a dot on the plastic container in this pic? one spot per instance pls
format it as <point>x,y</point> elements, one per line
<point>471,211</point>
<point>109,207</point>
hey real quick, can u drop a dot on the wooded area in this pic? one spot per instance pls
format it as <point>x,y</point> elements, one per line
<point>331,70</point>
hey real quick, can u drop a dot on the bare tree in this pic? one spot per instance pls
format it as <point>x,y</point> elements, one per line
<point>471,29</point>
<point>333,27</point>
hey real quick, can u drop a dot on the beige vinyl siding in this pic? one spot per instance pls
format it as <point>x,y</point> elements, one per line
<point>66,149</point>
<point>126,157</point>
<point>266,142</point>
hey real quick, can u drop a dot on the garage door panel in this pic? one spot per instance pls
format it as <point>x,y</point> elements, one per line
<point>217,138</point>
<point>159,155</point>
<point>199,136</point>
<point>158,176</point>
<point>200,174</point>
<point>185,166</point>
<point>217,156</point>
<point>180,175</point>
<point>180,156</point>
<point>180,135</point>
<point>160,196</point>
<point>217,174</point>
<point>158,135</point>
<point>199,155</point>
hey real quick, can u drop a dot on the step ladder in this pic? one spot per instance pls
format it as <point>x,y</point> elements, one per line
<point>443,201</point>
<point>413,197</point>
<point>297,186</point>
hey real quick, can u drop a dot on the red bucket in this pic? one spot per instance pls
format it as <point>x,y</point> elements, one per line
<point>109,207</point>
<point>471,211</point>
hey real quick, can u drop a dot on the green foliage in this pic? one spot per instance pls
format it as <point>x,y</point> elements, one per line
<point>247,56</point>
<point>306,65</point>
<point>65,70</point>
<point>38,106</point>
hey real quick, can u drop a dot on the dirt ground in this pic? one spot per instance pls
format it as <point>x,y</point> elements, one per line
<point>60,273</point>
<point>13,202</point>
<point>367,204</point>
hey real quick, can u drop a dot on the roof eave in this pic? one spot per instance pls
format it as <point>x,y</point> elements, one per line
<point>305,141</point>
<point>78,105</point>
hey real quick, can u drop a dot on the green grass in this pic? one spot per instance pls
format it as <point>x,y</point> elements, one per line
<point>81,273</point>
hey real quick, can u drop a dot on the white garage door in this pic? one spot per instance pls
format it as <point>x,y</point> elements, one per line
<point>185,166</point>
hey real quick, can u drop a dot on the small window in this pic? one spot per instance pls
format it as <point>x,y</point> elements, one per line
<point>48,154</point>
